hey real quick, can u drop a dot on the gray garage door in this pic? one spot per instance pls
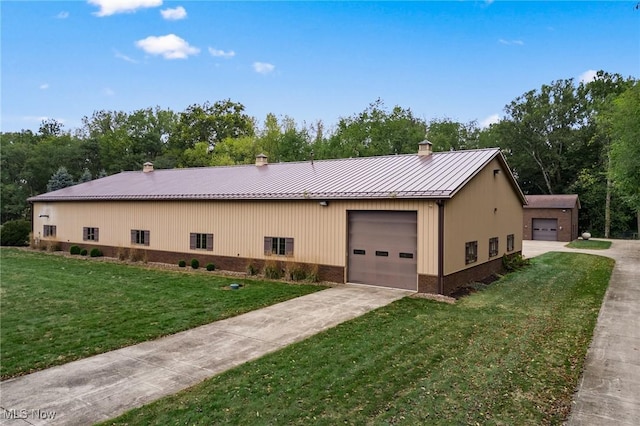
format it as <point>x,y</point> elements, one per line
<point>383,249</point>
<point>545,229</point>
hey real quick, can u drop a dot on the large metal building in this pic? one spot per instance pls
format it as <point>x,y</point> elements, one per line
<point>427,222</point>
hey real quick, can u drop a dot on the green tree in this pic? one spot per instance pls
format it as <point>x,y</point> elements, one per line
<point>624,119</point>
<point>60,179</point>
<point>377,131</point>
<point>448,135</point>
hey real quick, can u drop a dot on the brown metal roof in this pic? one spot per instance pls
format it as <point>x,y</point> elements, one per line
<point>564,201</point>
<point>439,175</point>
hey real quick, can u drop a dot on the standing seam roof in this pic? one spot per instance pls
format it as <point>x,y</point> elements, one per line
<point>439,175</point>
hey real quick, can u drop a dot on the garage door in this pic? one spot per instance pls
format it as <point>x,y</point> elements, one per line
<point>383,249</point>
<point>545,229</point>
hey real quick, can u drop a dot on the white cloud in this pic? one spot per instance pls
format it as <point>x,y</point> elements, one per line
<point>263,67</point>
<point>125,57</point>
<point>111,7</point>
<point>108,91</point>
<point>169,46</point>
<point>44,86</point>
<point>492,119</point>
<point>174,14</point>
<point>62,15</point>
<point>588,76</point>
<point>222,53</point>
<point>511,42</point>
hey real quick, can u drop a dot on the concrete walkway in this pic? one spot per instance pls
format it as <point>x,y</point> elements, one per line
<point>609,390</point>
<point>103,386</point>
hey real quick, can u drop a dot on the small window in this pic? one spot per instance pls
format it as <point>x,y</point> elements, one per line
<point>90,234</point>
<point>358,251</point>
<point>406,255</point>
<point>510,242</point>
<point>49,231</point>
<point>201,241</point>
<point>382,253</point>
<point>280,246</point>
<point>471,252</point>
<point>493,247</point>
<point>139,237</point>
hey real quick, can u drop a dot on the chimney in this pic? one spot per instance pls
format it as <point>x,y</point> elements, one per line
<point>147,167</point>
<point>424,148</point>
<point>261,160</point>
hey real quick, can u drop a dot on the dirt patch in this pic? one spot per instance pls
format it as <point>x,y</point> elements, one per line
<point>474,287</point>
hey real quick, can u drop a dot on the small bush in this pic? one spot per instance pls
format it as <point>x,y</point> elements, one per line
<point>95,252</point>
<point>211,267</point>
<point>195,263</point>
<point>514,262</point>
<point>312,274</point>
<point>84,252</point>
<point>252,269</point>
<point>138,255</point>
<point>75,250</point>
<point>15,233</point>
<point>296,272</point>
<point>122,253</point>
<point>273,270</point>
<point>53,246</point>
<point>182,263</point>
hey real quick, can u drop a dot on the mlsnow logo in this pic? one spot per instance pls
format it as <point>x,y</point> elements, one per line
<point>24,414</point>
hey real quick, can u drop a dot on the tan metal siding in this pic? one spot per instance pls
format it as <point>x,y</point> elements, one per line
<point>486,207</point>
<point>239,227</point>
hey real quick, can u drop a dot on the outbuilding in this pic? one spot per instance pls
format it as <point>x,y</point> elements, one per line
<point>551,217</point>
<point>426,222</point>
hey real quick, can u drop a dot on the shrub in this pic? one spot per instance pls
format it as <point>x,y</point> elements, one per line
<point>53,246</point>
<point>514,262</point>
<point>296,271</point>
<point>312,274</point>
<point>273,270</point>
<point>84,252</point>
<point>122,253</point>
<point>15,233</point>
<point>211,267</point>
<point>252,269</point>
<point>195,263</point>
<point>138,255</point>
<point>95,252</point>
<point>182,263</point>
<point>75,250</point>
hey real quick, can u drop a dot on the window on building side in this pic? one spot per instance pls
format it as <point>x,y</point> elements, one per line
<point>510,242</point>
<point>278,245</point>
<point>493,247</point>
<point>201,241</point>
<point>49,231</point>
<point>471,252</point>
<point>140,237</point>
<point>90,234</point>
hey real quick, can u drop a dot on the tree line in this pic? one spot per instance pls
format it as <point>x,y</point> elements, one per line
<point>564,137</point>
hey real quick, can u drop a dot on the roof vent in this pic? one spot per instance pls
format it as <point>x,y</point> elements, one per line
<point>424,148</point>
<point>147,167</point>
<point>261,160</point>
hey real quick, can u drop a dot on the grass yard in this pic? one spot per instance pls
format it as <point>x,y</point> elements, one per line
<point>589,244</point>
<point>510,355</point>
<point>56,309</point>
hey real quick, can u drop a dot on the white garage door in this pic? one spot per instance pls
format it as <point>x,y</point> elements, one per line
<point>383,248</point>
<point>545,229</point>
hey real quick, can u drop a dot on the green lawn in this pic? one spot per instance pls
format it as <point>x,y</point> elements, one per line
<point>589,244</point>
<point>56,309</point>
<point>509,355</point>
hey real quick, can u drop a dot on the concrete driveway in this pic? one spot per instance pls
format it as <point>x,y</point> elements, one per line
<point>609,390</point>
<point>103,386</point>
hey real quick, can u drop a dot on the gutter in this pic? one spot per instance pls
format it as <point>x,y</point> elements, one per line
<point>440,204</point>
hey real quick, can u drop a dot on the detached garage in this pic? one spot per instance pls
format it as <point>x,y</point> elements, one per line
<point>426,222</point>
<point>551,217</point>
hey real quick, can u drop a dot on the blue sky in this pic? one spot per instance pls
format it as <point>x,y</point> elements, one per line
<point>464,60</point>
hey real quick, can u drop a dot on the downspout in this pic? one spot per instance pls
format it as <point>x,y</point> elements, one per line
<point>33,224</point>
<point>440,204</point>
